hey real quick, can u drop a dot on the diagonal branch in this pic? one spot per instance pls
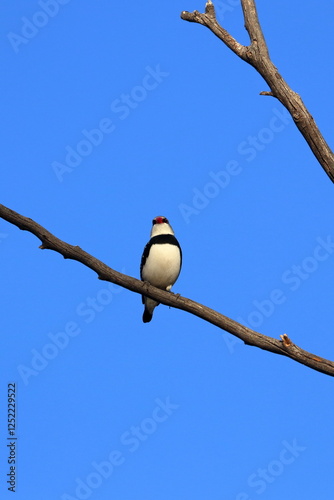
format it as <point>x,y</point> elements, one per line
<point>284,346</point>
<point>253,27</point>
<point>257,55</point>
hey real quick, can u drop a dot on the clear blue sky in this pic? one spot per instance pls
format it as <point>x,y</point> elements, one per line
<point>116,113</point>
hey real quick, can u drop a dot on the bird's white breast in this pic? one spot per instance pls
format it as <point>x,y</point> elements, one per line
<point>162,265</point>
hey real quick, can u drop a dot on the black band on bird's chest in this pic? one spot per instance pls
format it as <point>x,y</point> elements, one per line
<point>160,239</point>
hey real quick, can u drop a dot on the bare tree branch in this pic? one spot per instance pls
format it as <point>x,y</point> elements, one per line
<point>257,55</point>
<point>284,346</point>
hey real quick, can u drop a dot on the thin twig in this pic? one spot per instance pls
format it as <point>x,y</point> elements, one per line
<point>284,346</point>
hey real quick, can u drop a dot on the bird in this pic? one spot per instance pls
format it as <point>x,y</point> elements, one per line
<point>161,262</point>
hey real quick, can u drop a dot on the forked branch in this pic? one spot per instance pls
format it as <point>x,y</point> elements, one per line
<point>284,346</point>
<point>257,55</point>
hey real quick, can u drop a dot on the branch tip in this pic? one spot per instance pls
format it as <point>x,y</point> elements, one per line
<point>43,246</point>
<point>265,92</point>
<point>185,15</point>
<point>210,9</point>
<point>285,340</point>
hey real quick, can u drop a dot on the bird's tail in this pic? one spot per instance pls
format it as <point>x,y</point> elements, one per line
<point>147,316</point>
<point>150,305</point>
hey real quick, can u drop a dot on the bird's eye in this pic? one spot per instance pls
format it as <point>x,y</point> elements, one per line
<point>154,222</point>
<point>165,220</point>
